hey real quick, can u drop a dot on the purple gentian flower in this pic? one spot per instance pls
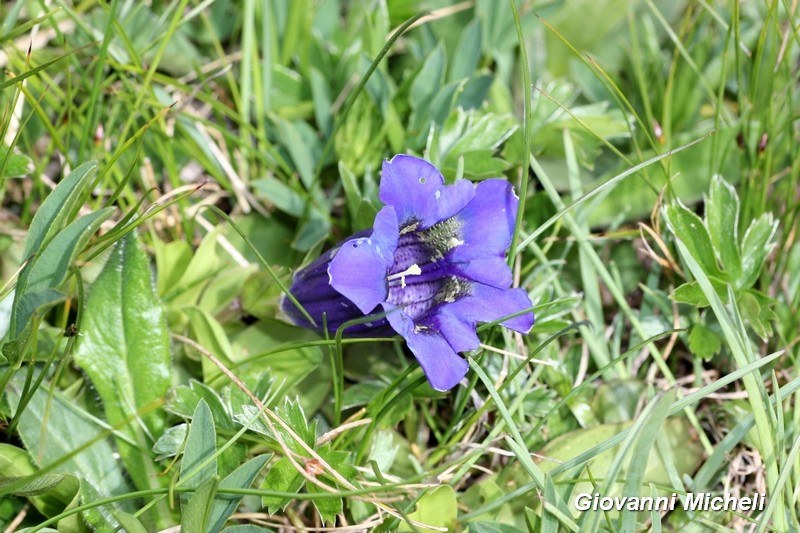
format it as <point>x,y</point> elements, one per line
<point>434,262</point>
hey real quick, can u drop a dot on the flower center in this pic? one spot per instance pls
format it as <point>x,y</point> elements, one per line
<point>419,279</point>
<point>413,270</point>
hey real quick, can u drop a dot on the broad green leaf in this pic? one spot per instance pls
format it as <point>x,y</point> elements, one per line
<point>756,246</point>
<point>690,229</point>
<point>469,52</point>
<point>170,443</point>
<point>282,477</point>
<point>478,164</point>
<point>758,313</point>
<point>99,518</point>
<point>482,133</point>
<point>172,259</point>
<point>704,342</point>
<point>302,145</point>
<point>129,523</point>
<point>183,402</point>
<point>327,504</point>
<point>428,80</point>
<point>242,478</point>
<point>207,262</point>
<point>437,507</point>
<point>280,195</point>
<point>196,513</point>
<point>682,453</point>
<point>199,464</point>
<point>384,449</point>
<point>49,493</point>
<point>33,484</point>
<point>57,207</point>
<point>321,93</point>
<point>124,349</point>
<point>209,334</point>
<point>313,228</point>
<point>691,293</point>
<point>222,291</point>
<point>474,92</point>
<point>49,267</point>
<point>16,165</point>
<point>30,303</point>
<point>722,217</point>
<point>54,429</point>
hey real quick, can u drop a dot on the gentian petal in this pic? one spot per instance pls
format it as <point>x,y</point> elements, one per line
<point>443,367</point>
<point>417,191</point>
<point>491,270</point>
<point>487,222</point>
<point>358,270</point>
<point>457,320</point>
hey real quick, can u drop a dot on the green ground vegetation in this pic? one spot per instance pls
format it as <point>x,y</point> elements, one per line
<point>166,166</point>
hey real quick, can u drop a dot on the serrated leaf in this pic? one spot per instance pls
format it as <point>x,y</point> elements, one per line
<point>759,316</point>
<point>124,349</point>
<point>478,164</point>
<point>692,231</point>
<point>691,293</point>
<point>327,504</point>
<point>169,444</point>
<point>292,413</point>
<point>483,132</point>
<point>704,342</point>
<point>756,246</point>
<point>722,218</point>
<point>225,504</point>
<point>199,463</point>
<point>14,165</point>
<point>282,477</point>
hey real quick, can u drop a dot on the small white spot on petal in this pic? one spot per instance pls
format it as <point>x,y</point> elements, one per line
<point>368,324</point>
<point>437,194</point>
<point>453,242</point>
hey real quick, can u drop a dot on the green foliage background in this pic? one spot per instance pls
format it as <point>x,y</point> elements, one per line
<point>165,167</point>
